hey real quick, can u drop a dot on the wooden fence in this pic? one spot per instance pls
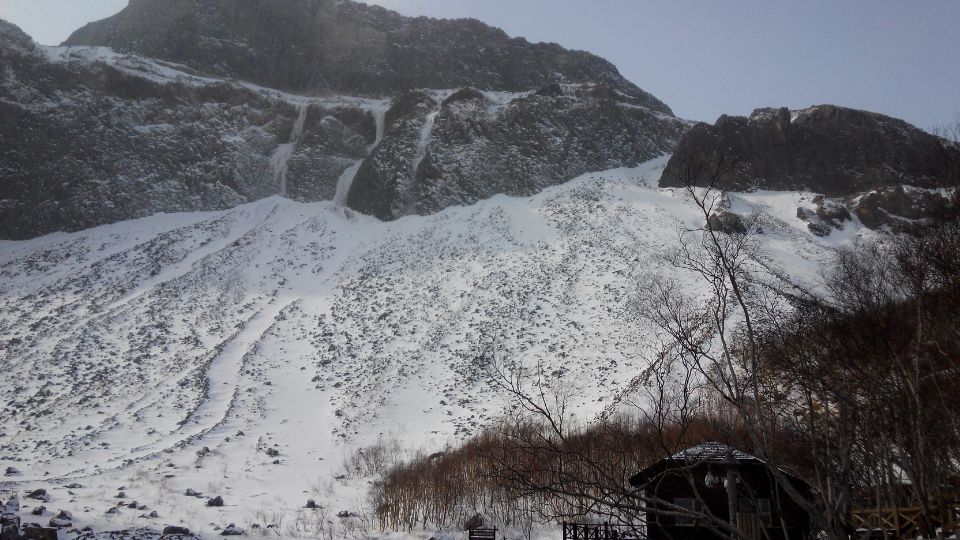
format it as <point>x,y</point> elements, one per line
<point>906,521</point>
<point>599,531</point>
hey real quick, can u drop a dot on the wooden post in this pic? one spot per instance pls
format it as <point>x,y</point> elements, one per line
<point>732,495</point>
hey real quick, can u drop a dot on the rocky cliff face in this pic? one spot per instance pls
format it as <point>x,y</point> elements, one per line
<point>858,160</point>
<point>343,46</point>
<point>443,150</point>
<point>101,134</point>
<point>826,149</point>
<point>91,137</point>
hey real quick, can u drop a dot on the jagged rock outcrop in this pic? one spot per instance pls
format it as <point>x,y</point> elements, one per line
<point>93,138</point>
<point>826,149</point>
<point>469,146</point>
<point>899,208</point>
<point>343,46</point>
<point>99,136</point>
<point>859,160</point>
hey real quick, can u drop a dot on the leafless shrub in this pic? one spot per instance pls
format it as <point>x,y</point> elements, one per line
<point>373,460</point>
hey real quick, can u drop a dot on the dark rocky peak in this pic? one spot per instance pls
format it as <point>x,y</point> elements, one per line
<point>344,46</point>
<point>14,41</point>
<point>826,149</point>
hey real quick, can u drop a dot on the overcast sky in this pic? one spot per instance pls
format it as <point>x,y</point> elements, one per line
<point>704,57</point>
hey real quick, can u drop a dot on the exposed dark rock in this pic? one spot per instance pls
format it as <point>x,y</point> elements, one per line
<point>898,208</point>
<point>272,452</point>
<point>168,145</point>
<point>176,530</point>
<point>9,531</point>
<point>216,501</point>
<point>38,510</point>
<point>550,90</point>
<point>475,522</point>
<point>10,471</point>
<point>727,223</point>
<point>344,46</point>
<point>814,223</point>
<point>826,149</point>
<point>464,94</point>
<point>819,229</point>
<point>87,143</point>
<point>38,494</point>
<point>232,530</point>
<point>33,531</point>
<point>461,151</point>
<point>832,212</point>
<point>9,518</point>
<point>311,504</point>
<point>62,519</point>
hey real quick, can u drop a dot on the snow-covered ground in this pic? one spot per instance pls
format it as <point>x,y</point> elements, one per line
<point>174,351</point>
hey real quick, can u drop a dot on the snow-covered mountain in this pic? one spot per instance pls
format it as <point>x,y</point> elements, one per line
<point>240,239</point>
<point>243,353</point>
<point>94,135</point>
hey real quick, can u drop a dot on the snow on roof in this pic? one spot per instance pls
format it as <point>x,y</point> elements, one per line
<point>712,451</point>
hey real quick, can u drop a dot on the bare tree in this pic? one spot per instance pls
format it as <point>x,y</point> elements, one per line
<point>949,131</point>
<point>858,377</point>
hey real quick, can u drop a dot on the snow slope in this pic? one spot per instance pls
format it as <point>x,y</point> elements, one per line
<point>172,352</point>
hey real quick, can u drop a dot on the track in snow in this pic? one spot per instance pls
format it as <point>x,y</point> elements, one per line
<point>326,331</point>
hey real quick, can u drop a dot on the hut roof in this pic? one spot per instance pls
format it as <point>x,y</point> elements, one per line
<point>707,452</point>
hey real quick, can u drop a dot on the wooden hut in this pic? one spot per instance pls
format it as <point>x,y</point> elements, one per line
<point>715,479</point>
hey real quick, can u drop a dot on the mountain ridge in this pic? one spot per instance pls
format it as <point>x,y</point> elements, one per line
<point>101,136</point>
<point>345,47</point>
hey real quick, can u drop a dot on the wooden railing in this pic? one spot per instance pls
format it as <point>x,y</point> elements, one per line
<point>598,531</point>
<point>907,521</point>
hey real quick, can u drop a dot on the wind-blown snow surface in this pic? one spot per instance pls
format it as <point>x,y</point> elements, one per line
<point>129,348</point>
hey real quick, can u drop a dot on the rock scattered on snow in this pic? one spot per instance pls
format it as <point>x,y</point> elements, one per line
<point>176,530</point>
<point>232,530</point>
<point>39,494</point>
<point>62,519</point>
